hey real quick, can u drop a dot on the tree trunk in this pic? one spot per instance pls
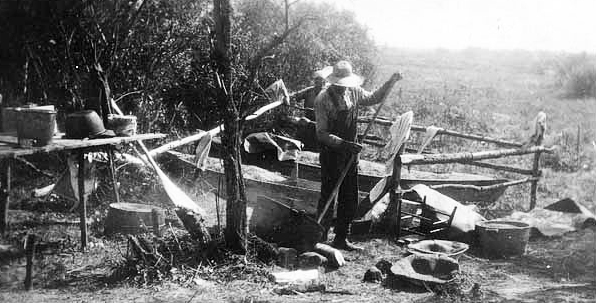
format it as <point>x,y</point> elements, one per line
<point>104,103</point>
<point>236,224</point>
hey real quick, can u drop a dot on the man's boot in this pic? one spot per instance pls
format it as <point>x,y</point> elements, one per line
<point>343,244</point>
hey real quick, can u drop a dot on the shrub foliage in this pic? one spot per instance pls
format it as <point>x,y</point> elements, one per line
<point>577,75</point>
<point>154,55</point>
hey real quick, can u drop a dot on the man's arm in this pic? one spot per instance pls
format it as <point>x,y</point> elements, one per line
<point>322,116</point>
<point>367,98</point>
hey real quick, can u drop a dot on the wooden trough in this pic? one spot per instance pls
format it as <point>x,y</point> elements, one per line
<point>299,194</point>
<point>459,186</point>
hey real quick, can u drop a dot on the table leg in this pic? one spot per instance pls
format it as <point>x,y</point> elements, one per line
<point>82,200</point>
<point>110,152</point>
<point>4,194</point>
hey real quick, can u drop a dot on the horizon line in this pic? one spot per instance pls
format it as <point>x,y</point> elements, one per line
<point>469,48</point>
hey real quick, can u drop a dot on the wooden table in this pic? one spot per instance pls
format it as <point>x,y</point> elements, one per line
<point>10,149</point>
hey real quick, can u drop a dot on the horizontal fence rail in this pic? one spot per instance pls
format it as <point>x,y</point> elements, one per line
<point>504,143</point>
<point>467,157</point>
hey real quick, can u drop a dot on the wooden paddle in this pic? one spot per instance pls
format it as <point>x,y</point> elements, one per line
<point>176,195</point>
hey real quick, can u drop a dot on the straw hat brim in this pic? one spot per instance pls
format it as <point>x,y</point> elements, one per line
<point>108,133</point>
<point>349,81</point>
<point>426,268</point>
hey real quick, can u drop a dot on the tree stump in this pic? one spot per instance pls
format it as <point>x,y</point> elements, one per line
<point>194,225</point>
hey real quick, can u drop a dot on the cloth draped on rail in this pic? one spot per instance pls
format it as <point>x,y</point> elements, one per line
<point>287,149</point>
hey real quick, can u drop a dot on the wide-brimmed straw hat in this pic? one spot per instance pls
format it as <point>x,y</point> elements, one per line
<point>426,268</point>
<point>343,75</point>
<point>86,124</point>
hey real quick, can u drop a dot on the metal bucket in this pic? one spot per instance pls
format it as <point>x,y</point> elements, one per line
<point>35,126</point>
<point>9,119</point>
<point>503,238</point>
<point>123,125</point>
<point>132,218</point>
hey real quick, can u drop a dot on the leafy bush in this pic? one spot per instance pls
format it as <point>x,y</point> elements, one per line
<point>156,54</point>
<point>325,35</point>
<point>582,81</point>
<point>577,75</point>
<point>144,48</point>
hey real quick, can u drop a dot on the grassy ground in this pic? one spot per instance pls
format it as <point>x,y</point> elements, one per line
<point>498,94</point>
<point>495,93</point>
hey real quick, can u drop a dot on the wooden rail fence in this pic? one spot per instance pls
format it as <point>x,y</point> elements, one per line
<point>533,147</point>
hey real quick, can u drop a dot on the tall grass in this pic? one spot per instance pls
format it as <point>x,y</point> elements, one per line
<point>498,94</point>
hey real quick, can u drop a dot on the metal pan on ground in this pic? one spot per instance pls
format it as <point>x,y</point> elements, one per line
<point>278,223</point>
<point>452,249</point>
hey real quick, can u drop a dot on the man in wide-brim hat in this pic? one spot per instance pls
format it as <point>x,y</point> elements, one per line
<point>336,111</point>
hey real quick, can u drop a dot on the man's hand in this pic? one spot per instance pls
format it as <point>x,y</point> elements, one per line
<point>396,77</point>
<point>351,147</point>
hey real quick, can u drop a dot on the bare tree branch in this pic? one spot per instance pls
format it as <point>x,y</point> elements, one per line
<point>293,2</point>
<point>255,62</point>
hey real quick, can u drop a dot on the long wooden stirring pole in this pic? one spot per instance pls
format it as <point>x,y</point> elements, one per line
<point>349,164</point>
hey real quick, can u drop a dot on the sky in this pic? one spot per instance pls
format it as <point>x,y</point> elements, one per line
<point>553,25</point>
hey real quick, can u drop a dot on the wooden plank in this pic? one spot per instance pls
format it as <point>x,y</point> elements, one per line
<point>171,145</point>
<point>466,157</point>
<point>213,132</point>
<point>10,148</point>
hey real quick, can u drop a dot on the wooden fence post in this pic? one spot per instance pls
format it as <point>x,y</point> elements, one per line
<point>4,193</point>
<point>395,194</point>
<point>577,148</point>
<point>534,184</point>
<point>29,252</point>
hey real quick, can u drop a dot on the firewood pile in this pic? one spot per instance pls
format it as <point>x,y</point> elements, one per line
<point>178,257</point>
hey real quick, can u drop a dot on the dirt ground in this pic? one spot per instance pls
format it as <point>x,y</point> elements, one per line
<point>557,269</point>
<point>552,270</point>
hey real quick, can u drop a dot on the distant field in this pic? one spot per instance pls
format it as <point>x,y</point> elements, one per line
<point>497,93</point>
<point>501,91</point>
